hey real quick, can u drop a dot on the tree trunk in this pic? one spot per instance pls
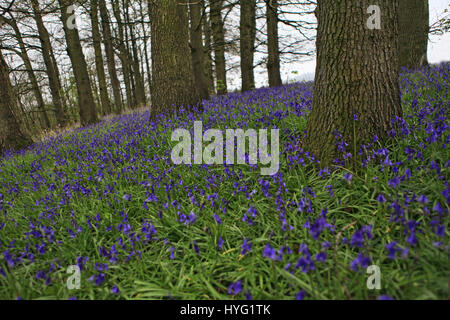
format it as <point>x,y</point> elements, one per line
<point>173,79</point>
<point>146,55</point>
<point>219,45</point>
<point>123,54</point>
<point>111,62</point>
<point>247,45</point>
<point>99,65</point>
<point>273,63</point>
<point>11,135</point>
<point>209,73</point>
<point>31,75</point>
<point>140,88</point>
<point>197,50</point>
<point>413,33</point>
<point>86,104</point>
<point>61,117</point>
<point>356,74</point>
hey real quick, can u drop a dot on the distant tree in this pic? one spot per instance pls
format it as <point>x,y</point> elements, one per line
<point>51,67</point>
<point>356,76</point>
<point>218,34</point>
<point>173,80</point>
<point>413,32</point>
<point>11,135</point>
<point>110,58</point>
<point>99,65</point>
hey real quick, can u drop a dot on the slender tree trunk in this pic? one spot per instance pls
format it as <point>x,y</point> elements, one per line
<point>111,62</point>
<point>197,50</point>
<point>52,73</point>
<point>11,135</point>
<point>99,65</point>
<point>146,56</point>
<point>273,63</point>
<point>356,74</point>
<point>86,104</point>
<point>173,79</point>
<point>219,45</point>
<point>247,45</point>
<point>31,75</point>
<point>413,33</point>
<point>123,54</point>
<point>140,88</point>
<point>209,73</point>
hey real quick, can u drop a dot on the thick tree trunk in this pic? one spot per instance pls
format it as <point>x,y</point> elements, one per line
<point>247,45</point>
<point>197,50</point>
<point>273,63</point>
<point>86,104</point>
<point>413,33</point>
<point>111,62</point>
<point>356,74</point>
<point>173,79</point>
<point>99,65</point>
<point>52,73</point>
<point>31,75</point>
<point>11,135</point>
<point>219,45</point>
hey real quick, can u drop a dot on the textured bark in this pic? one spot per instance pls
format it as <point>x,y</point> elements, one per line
<point>111,62</point>
<point>140,88</point>
<point>11,135</point>
<point>86,104</point>
<point>146,55</point>
<point>247,45</point>
<point>31,75</point>
<point>413,32</point>
<point>123,54</point>
<point>356,74</point>
<point>197,50</point>
<point>219,45</point>
<point>52,72</point>
<point>173,79</point>
<point>99,65</point>
<point>209,72</point>
<point>273,63</point>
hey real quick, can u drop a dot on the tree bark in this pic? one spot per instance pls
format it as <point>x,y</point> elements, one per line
<point>197,50</point>
<point>31,75</point>
<point>111,62</point>
<point>209,73</point>
<point>52,73</point>
<point>219,45</point>
<point>99,65</point>
<point>123,55</point>
<point>173,79</point>
<point>11,135</point>
<point>356,74</point>
<point>413,33</point>
<point>273,63</point>
<point>247,45</point>
<point>86,104</point>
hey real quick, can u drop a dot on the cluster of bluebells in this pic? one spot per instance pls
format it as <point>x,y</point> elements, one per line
<point>115,182</point>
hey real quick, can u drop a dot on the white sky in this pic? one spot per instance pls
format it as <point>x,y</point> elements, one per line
<point>438,51</point>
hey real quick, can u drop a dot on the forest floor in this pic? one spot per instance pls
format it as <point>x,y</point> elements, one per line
<point>108,199</point>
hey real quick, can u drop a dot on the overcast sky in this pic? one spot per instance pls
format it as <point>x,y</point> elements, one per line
<point>438,51</point>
